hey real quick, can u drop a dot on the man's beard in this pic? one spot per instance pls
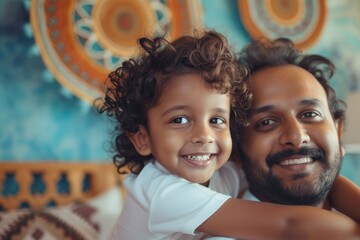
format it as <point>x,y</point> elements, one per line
<point>300,192</point>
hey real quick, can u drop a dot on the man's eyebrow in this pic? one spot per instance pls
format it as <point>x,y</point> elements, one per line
<point>305,102</point>
<point>262,109</point>
<point>311,101</point>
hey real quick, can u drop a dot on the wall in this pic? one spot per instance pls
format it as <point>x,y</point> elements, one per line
<point>40,120</point>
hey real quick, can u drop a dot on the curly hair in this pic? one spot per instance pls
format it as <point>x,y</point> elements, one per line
<point>262,54</point>
<point>136,86</point>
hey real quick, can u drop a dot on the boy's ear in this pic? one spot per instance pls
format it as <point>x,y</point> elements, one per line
<point>141,141</point>
<point>339,124</point>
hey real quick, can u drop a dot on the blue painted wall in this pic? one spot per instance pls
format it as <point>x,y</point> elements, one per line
<point>39,120</point>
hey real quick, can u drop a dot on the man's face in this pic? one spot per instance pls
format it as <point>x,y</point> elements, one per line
<point>290,150</point>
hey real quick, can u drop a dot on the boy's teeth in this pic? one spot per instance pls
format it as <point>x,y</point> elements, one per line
<point>295,161</point>
<point>198,157</point>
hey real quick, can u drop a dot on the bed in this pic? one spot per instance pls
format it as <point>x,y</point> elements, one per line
<point>59,200</point>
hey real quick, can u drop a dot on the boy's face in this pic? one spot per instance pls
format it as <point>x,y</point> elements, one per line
<point>189,130</point>
<point>291,150</point>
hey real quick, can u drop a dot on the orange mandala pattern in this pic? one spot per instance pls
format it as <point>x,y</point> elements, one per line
<point>300,20</point>
<point>81,41</point>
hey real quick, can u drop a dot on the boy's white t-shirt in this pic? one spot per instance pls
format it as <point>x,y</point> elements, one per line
<point>160,205</point>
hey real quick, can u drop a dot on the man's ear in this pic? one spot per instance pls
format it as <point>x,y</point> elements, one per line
<point>339,124</point>
<point>141,141</point>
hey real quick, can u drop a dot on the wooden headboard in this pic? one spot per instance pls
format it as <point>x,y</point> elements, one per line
<point>19,180</point>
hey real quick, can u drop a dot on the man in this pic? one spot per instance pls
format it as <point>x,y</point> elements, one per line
<point>290,149</point>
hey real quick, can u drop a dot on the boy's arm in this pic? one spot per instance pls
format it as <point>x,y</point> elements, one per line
<point>259,220</point>
<point>345,197</point>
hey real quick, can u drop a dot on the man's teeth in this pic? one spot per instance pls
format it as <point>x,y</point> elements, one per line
<point>295,161</point>
<point>198,157</point>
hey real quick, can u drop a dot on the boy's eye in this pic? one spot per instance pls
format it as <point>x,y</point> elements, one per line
<point>180,120</point>
<point>217,120</point>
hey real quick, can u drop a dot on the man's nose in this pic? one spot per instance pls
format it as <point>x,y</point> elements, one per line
<point>294,133</point>
<point>202,134</point>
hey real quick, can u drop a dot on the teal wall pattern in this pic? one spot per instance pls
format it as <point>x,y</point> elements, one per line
<point>41,120</point>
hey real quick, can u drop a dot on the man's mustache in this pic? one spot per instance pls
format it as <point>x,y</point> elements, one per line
<point>312,152</point>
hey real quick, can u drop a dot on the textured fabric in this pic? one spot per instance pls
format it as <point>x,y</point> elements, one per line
<point>249,196</point>
<point>91,220</point>
<point>71,222</point>
<point>160,205</point>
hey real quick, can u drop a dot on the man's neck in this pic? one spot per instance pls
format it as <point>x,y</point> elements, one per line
<point>323,204</point>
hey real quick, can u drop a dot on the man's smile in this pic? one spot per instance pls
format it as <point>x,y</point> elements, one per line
<point>296,161</point>
<point>298,164</point>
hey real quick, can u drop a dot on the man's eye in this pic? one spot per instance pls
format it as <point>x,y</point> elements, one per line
<point>217,120</point>
<point>310,115</point>
<point>266,122</point>
<point>180,120</point>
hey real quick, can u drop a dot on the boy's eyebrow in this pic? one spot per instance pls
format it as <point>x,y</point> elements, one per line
<point>174,108</point>
<point>182,107</point>
<point>305,102</point>
<point>222,110</point>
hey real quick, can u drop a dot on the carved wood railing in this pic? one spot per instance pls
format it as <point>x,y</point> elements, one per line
<point>82,181</point>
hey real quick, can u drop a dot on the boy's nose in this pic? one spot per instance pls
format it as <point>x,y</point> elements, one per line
<point>202,134</point>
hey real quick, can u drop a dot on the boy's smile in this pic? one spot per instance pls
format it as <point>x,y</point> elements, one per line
<point>202,160</point>
<point>188,129</point>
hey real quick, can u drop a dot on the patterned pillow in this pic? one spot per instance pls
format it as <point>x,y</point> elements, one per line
<point>77,221</point>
